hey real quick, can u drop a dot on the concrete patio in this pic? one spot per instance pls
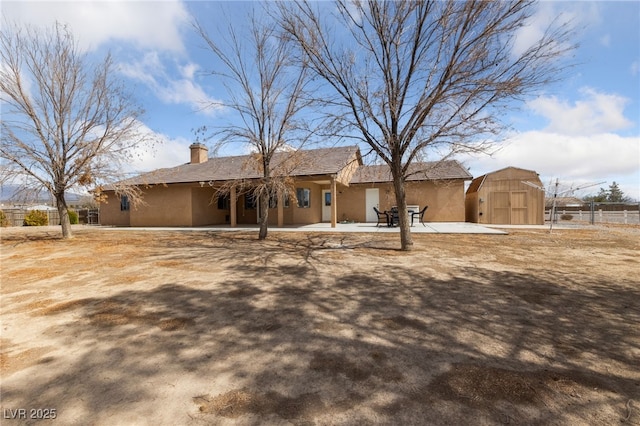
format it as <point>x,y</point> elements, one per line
<point>427,228</point>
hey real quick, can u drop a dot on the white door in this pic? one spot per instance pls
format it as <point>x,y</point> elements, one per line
<point>326,205</point>
<point>372,199</point>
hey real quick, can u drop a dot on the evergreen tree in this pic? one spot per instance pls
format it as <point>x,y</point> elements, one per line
<point>615,194</point>
<point>612,195</point>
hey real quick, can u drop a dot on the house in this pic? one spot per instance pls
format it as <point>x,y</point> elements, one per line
<point>331,185</point>
<point>565,202</point>
<point>439,185</point>
<point>510,196</point>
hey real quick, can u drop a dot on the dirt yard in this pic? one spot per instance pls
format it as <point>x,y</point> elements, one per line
<point>190,328</point>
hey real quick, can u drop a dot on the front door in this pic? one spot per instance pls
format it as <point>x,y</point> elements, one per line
<point>372,199</point>
<point>326,205</point>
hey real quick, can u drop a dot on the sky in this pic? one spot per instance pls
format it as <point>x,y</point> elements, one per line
<point>583,132</point>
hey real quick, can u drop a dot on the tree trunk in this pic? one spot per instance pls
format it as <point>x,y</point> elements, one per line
<point>64,215</point>
<point>264,215</point>
<point>406,240</point>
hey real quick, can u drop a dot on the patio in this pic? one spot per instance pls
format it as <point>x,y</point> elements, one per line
<point>429,228</point>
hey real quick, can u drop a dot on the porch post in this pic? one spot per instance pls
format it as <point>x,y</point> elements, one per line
<point>280,210</point>
<point>334,202</point>
<point>232,213</point>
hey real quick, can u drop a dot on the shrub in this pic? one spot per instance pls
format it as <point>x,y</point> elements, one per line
<point>566,217</point>
<point>73,217</point>
<point>4,221</point>
<point>36,218</point>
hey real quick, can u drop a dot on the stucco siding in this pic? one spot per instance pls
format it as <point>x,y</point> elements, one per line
<point>110,213</point>
<point>204,207</point>
<point>445,200</point>
<point>164,206</point>
<point>311,214</point>
<point>351,203</point>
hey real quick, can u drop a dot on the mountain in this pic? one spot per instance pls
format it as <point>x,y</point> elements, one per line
<point>10,193</point>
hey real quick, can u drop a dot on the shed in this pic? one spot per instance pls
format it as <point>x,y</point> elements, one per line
<point>510,196</point>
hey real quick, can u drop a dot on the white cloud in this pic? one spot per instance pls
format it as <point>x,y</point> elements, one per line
<point>595,113</point>
<point>634,68</point>
<point>164,152</point>
<point>572,14</point>
<point>578,146</point>
<point>188,71</point>
<point>577,156</point>
<point>183,90</point>
<point>572,159</point>
<point>146,24</point>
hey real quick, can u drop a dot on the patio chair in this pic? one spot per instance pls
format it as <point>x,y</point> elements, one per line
<point>394,217</point>
<point>382,216</point>
<point>419,215</point>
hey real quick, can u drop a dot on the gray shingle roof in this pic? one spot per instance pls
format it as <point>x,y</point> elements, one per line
<point>313,162</point>
<point>434,170</point>
<point>322,161</point>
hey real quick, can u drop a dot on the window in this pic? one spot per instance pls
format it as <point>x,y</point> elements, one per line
<point>124,203</point>
<point>304,197</point>
<point>273,201</point>
<point>224,202</point>
<point>250,202</point>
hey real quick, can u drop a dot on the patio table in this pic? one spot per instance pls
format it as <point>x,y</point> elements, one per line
<point>394,218</point>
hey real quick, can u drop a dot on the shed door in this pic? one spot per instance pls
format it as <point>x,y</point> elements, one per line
<point>509,208</point>
<point>500,208</point>
<point>519,208</point>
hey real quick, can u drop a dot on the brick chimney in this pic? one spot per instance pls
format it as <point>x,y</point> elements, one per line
<point>199,153</point>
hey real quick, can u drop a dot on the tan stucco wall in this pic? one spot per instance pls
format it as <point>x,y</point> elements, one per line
<point>204,207</point>
<point>300,215</point>
<point>189,205</point>
<point>313,214</point>
<point>164,206</point>
<point>110,213</point>
<point>445,200</point>
<point>287,214</point>
<point>351,203</point>
<point>244,215</point>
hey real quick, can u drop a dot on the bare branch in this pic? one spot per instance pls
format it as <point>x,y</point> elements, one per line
<point>67,123</point>
<point>412,78</point>
<point>268,92</point>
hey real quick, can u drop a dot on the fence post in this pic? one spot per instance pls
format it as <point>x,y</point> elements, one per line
<point>593,207</point>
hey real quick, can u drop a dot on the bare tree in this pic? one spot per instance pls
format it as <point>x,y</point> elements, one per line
<point>66,122</point>
<point>267,91</point>
<point>413,79</point>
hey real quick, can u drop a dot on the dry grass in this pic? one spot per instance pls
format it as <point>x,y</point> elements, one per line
<point>528,328</point>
